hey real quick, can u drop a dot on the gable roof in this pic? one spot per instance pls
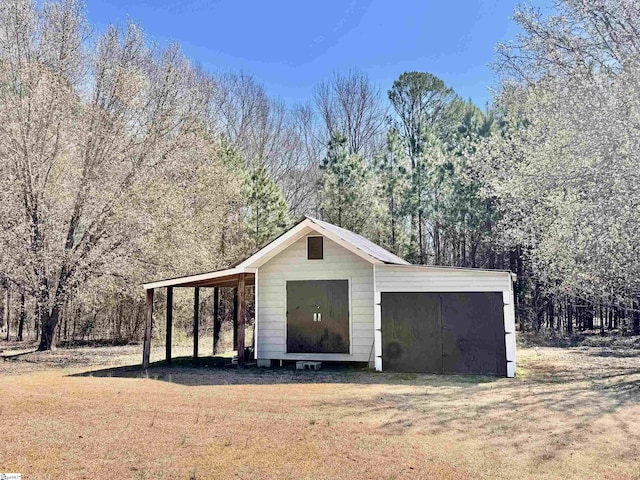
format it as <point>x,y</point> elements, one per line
<point>361,243</point>
<point>353,242</point>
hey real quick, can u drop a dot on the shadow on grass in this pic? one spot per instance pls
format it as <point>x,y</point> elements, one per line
<point>560,408</point>
<point>94,343</point>
<point>219,371</point>
<point>625,353</point>
<point>552,409</point>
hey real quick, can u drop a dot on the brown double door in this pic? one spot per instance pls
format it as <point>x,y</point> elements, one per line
<point>318,316</point>
<point>453,332</point>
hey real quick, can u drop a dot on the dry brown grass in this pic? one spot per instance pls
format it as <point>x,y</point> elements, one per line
<point>573,413</point>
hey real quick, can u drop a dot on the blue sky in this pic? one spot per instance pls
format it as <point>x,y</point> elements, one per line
<point>291,45</point>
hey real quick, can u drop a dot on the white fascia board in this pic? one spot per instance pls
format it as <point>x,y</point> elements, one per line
<point>279,244</point>
<point>303,228</point>
<point>452,270</point>
<point>173,282</point>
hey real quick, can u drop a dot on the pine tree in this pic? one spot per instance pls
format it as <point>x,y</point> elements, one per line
<point>424,108</point>
<point>267,210</point>
<point>469,215</point>
<point>345,189</point>
<point>393,184</point>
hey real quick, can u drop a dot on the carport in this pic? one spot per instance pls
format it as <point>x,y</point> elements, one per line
<point>235,278</point>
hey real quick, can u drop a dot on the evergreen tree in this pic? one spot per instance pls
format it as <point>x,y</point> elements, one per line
<point>430,194</point>
<point>267,210</point>
<point>391,171</point>
<point>469,215</point>
<point>425,109</point>
<point>346,196</point>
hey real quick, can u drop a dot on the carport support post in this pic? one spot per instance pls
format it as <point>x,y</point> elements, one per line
<point>216,319</point>
<point>146,349</point>
<point>196,320</point>
<point>169,315</point>
<point>240,315</point>
<point>235,318</point>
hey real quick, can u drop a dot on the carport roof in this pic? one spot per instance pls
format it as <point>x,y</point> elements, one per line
<point>227,277</point>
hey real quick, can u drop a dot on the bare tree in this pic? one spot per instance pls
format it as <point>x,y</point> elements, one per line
<point>252,122</point>
<point>8,313</point>
<point>350,105</point>
<point>580,37</point>
<point>267,133</point>
<point>81,129</point>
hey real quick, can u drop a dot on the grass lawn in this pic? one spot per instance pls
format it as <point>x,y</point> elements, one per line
<point>572,413</point>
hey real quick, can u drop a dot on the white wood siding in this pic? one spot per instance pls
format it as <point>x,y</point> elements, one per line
<point>398,278</point>
<point>292,264</point>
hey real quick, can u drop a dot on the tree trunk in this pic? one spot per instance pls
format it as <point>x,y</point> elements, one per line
<point>66,325</point>
<point>1,315</point>
<point>463,253</point>
<point>436,244</point>
<point>569,316</point>
<point>48,323</point>
<point>36,318</point>
<point>235,319</point>
<point>119,319</point>
<point>23,316</point>
<point>8,314</point>
<point>392,211</point>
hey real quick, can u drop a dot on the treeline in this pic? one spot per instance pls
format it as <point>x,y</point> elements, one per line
<point>122,162</point>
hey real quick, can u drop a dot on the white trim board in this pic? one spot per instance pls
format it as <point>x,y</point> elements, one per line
<point>256,311</point>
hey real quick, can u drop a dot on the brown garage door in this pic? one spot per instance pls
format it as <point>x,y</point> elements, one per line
<point>443,332</point>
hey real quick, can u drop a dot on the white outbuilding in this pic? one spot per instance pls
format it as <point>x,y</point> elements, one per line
<point>323,293</point>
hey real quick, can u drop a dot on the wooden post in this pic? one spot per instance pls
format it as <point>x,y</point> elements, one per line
<point>216,319</point>
<point>196,321</point>
<point>169,315</point>
<point>146,349</point>
<point>235,318</point>
<point>240,315</point>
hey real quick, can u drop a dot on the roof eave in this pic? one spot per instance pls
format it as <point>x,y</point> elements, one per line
<point>189,279</point>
